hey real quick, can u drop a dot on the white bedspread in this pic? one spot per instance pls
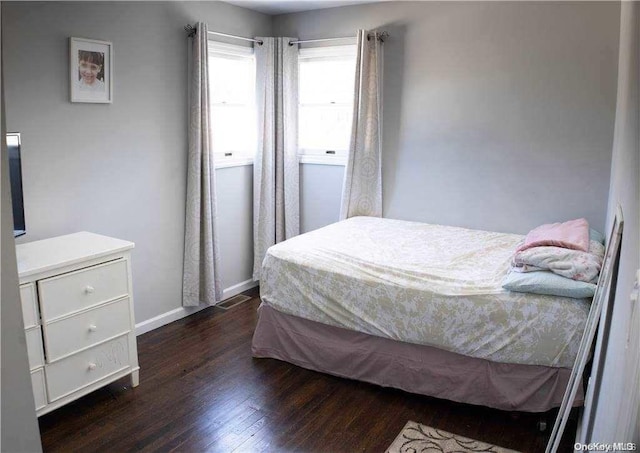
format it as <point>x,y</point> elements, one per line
<point>425,284</point>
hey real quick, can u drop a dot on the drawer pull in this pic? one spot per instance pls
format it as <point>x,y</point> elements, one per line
<point>89,289</point>
<point>92,366</point>
<point>93,328</point>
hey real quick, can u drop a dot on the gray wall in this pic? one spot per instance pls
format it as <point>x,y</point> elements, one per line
<point>117,169</point>
<point>617,380</point>
<point>18,425</point>
<point>235,223</point>
<point>320,192</point>
<point>497,115</point>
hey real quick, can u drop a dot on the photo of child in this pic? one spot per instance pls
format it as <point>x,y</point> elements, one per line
<point>91,71</point>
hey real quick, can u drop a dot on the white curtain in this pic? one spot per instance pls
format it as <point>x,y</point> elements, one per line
<point>362,190</point>
<point>201,279</point>
<point>276,210</point>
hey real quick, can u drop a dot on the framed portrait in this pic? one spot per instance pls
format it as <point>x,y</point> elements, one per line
<point>91,70</point>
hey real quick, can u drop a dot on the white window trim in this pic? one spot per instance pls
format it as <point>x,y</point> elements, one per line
<point>324,104</point>
<point>348,51</point>
<point>216,48</point>
<point>232,162</point>
<point>322,160</point>
<point>320,156</point>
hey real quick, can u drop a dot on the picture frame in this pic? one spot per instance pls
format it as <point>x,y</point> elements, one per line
<point>91,70</point>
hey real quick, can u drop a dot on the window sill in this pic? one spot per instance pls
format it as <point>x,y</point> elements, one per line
<point>323,160</point>
<point>234,162</point>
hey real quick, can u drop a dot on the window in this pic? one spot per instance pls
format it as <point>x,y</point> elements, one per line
<point>232,98</point>
<point>326,89</point>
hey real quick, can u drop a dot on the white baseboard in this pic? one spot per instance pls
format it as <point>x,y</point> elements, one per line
<point>166,318</point>
<point>183,312</point>
<point>237,289</point>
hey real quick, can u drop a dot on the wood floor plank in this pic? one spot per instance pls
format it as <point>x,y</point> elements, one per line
<point>200,390</point>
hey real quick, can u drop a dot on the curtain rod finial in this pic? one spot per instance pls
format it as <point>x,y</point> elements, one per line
<point>380,36</point>
<point>190,29</point>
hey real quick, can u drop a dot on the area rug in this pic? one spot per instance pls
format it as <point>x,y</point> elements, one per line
<point>417,438</point>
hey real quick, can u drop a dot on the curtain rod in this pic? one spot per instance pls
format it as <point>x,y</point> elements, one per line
<point>382,36</point>
<point>191,30</point>
<point>291,43</point>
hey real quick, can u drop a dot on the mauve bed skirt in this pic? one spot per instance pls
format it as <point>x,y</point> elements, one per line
<point>414,368</point>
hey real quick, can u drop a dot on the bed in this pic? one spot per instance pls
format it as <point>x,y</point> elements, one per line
<point>417,307</point>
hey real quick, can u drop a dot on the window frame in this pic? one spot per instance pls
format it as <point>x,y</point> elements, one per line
<point>327,53</point>
<point>232,51</point>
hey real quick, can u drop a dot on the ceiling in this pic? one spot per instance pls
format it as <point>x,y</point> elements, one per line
<point>294,6</point>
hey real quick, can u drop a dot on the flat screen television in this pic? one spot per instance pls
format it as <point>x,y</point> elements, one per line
<point>15,175</point>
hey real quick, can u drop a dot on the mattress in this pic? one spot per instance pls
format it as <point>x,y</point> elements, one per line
<point>424,284</point>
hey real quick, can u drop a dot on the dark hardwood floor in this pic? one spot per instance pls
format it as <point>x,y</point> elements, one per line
<point>200,390</point>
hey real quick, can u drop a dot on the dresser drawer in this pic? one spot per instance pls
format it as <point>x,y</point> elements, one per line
<point>84,368</point>
<point>68,293</point>
<point>68,335</point>
<point>39,392</point>
<point>34,347</point>
<point>29,305</point>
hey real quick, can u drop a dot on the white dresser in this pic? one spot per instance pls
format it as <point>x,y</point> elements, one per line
<point>77,304</point>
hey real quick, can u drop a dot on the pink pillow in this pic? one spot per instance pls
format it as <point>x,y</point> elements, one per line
<point>573,234</point>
